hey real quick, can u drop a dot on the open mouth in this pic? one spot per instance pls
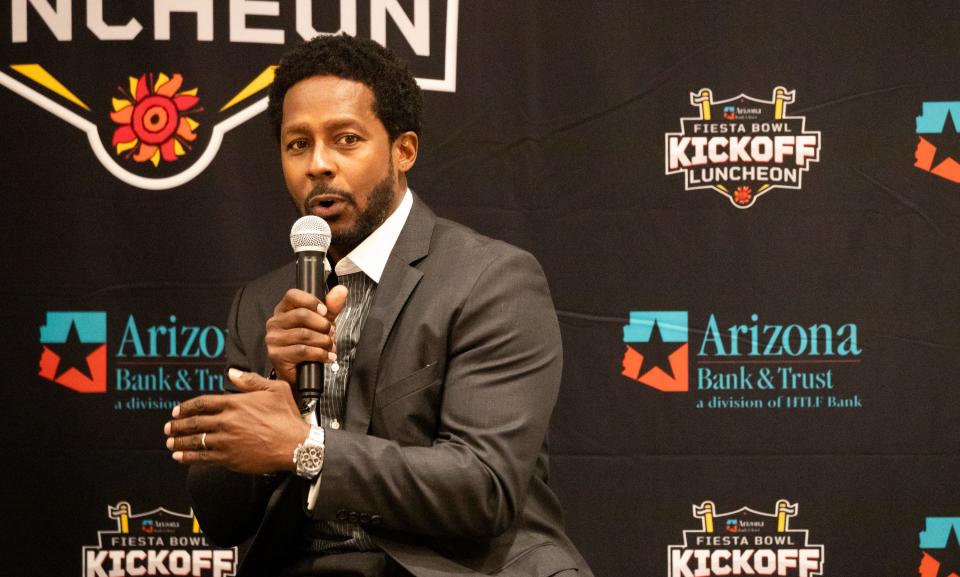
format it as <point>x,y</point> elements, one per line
<point>325,200</point>
<point>327,206</point>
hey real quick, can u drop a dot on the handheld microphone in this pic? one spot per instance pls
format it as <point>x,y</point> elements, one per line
<point>310,239</point>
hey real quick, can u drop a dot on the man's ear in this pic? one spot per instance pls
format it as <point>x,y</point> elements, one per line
<point>405,149</point>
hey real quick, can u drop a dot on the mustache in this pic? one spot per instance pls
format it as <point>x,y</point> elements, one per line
<point>326,189</point>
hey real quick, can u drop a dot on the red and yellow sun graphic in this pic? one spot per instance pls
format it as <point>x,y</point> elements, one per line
<point>154,119</point>
<point>742,195</point>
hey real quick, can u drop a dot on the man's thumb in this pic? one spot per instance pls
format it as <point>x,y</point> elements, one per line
<point>246,381</point>
<point>336,298</point>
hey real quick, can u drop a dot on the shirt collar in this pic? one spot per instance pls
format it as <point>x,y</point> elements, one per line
<point>370,256</point>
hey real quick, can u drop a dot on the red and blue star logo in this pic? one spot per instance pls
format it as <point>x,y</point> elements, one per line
<point>75,350</point>
<point>657,352</point>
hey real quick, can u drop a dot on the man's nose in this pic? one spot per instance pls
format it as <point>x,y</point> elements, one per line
<point>321,163</point>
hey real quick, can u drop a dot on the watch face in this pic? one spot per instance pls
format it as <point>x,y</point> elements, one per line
<point>309,459</point>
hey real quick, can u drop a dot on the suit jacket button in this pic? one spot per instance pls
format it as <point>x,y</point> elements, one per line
<point>342,515</point>
<point>353,517</point>
<point>375,519</point>
<point>364,518</point>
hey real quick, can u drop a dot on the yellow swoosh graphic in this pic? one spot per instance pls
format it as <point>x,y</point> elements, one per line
<point>39,75</point>
<point>259,83</point>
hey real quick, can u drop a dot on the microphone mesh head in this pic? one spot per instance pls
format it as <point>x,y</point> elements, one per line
<point>310,233</point>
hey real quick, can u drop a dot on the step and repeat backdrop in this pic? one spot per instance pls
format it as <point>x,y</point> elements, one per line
<point>748,212</point>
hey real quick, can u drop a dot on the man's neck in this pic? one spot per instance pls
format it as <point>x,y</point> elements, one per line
<point>335,253</point>
<point>339,250</point>
<point>371,254</point>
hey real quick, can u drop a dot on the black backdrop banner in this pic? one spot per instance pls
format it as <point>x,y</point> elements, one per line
<point>748,213</point>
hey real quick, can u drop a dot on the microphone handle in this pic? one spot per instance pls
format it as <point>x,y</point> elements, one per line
<point>310,279</point>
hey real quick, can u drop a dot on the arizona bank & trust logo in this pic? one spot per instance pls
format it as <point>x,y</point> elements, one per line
<point>750,543</point>
<point>767,364</point>
<point>151,364</point>
<point>752,148</point>
<point>157,126</point>
<point>157,542</point>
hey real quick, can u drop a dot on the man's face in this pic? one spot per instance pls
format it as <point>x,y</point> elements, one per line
<point>337,158</point>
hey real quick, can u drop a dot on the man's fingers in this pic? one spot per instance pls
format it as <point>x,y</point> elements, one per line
<point>188,457</point>
<point>190,425</point>
<point>307,318</point>
<point>310,338</point>
<point>197,442</point>
<point>203,405</point>
<point>296,354</point>
<point>296,298</point>
<point>249,382</point>
<point>336,299</point>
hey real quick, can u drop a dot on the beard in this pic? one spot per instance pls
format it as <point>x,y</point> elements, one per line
<point>379,202</point>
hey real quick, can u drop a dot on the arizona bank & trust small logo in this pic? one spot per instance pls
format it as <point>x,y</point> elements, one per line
<point>751,149</point>
<point>940,546</point>
<point>938,140</point>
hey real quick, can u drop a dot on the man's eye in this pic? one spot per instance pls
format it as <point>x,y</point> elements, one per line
<point>298,144</point>
<point>349,139</point>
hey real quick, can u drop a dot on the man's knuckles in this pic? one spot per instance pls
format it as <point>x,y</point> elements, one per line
<point>294,298</point>
<point>186,426</point>
<point>305,335</point>
<point>193,407</point>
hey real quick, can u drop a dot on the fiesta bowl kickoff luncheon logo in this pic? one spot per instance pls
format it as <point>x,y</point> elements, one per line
<point>759,364</point>
<point>749,149</point>
<point>745,542</point>
<point>158,542</point>
<point>154,366</point>
<point>159,125</point>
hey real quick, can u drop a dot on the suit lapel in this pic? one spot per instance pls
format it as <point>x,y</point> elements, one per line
<point>396,285</point>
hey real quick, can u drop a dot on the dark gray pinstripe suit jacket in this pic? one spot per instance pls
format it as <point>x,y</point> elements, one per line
<point>442,457</point>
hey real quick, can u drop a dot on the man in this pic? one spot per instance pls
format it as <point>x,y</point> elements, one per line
<point>427,456</point>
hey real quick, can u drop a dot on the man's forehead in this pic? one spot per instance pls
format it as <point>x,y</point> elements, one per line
<point>329,94</point>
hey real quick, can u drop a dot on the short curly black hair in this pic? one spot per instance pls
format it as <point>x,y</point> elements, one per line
<point>398,102</point>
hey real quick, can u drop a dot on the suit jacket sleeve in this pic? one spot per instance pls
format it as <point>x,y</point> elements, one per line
<point>230,505</point>
<point>499,383</point>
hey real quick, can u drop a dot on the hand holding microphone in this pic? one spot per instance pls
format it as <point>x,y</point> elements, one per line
<point>256,432</point>
<point>301,332</point>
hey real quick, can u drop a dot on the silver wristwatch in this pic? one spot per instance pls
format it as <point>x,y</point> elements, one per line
<point>308,456</point>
